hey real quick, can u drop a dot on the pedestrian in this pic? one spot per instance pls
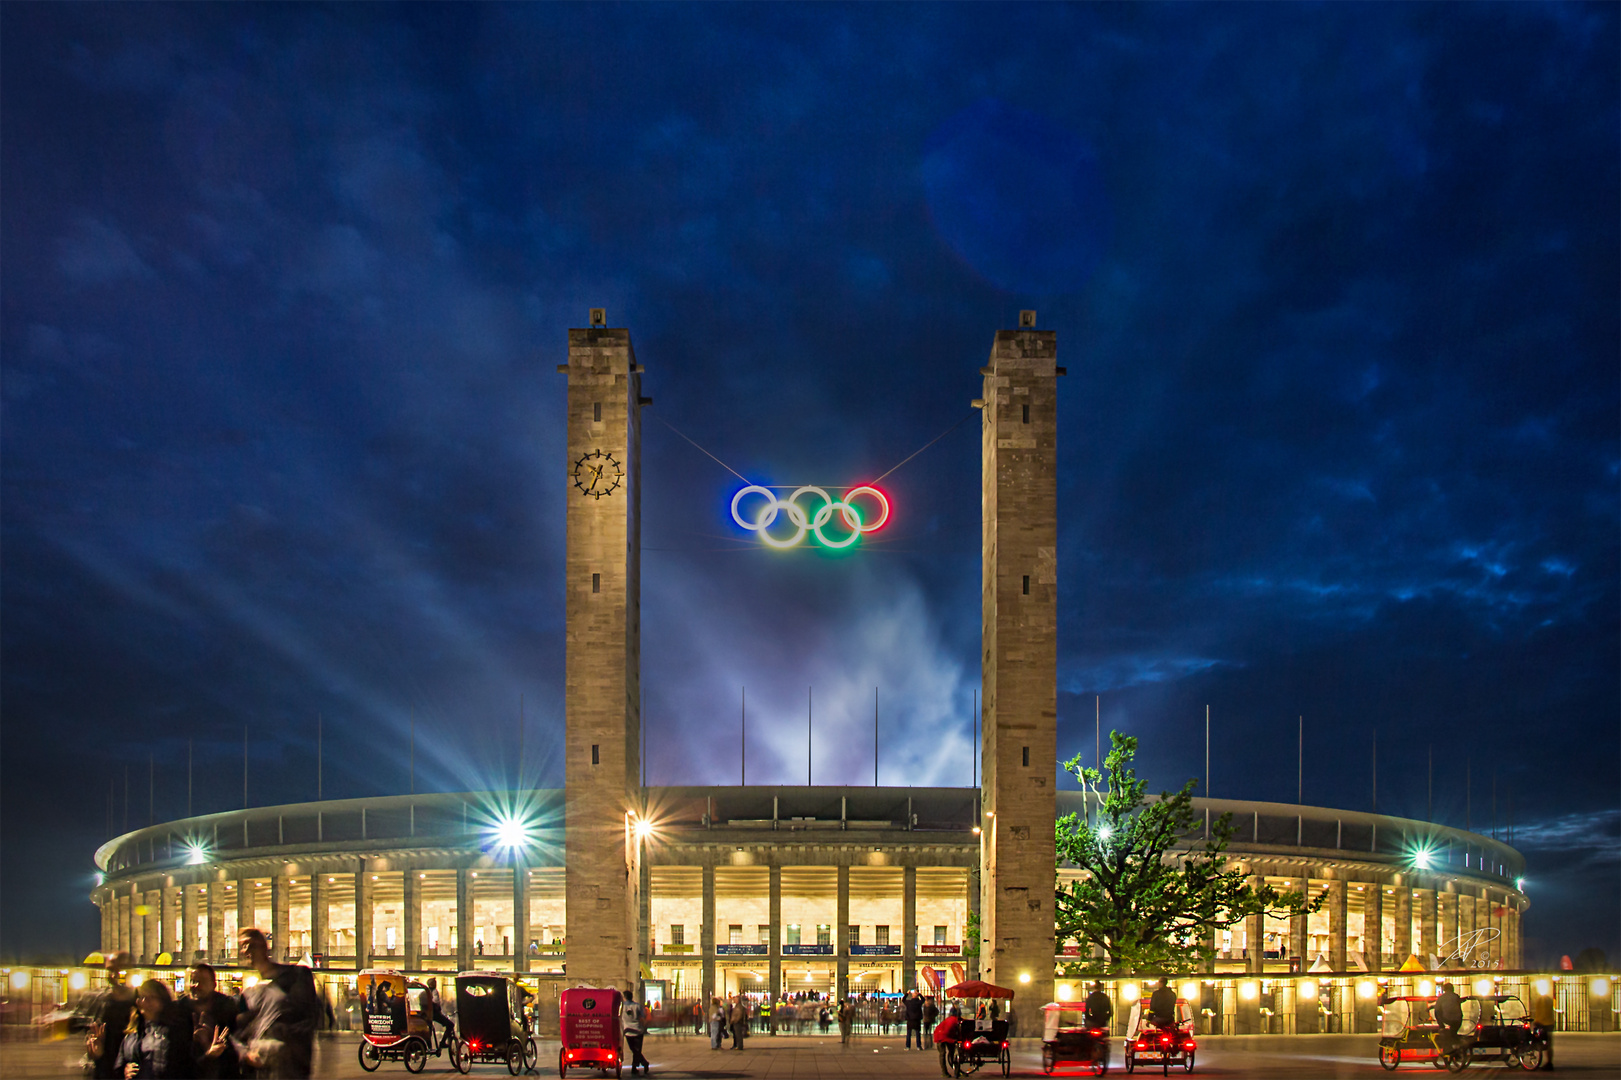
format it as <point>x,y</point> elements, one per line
<point>107,1030</point>
<point>931,1016</point>
<point>945,1037</point>
<point>157,1041</point>
<point>912,1007</point>
<point>276,1035</point>
<point>698,1016</point>
<point>213,1016</point>
<point>717,1022</point>
<point>635,1031</point>
<point>740,1022</point>
<point>847,1020</point>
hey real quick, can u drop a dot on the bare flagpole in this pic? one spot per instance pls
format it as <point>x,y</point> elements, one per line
<point>188,776</point>
<point>808,736</point>
<point>875,736</point>
<point>320,724</point>
<point>743,737</point>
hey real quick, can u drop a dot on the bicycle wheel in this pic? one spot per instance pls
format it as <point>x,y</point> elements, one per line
<point>461,1058</point>
<point>369,1057</point>
<point>1531,1058</point>
<point>1458,1060</point>
<point>1005,1058</point>
<point>1389,1056</point>
<point>1048,1059</point>
<point>531,1055</point>
<point>1187,1062</point>
<point>514,1057</point>
<point>416,1055</point>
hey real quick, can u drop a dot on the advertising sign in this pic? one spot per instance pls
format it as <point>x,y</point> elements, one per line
<point>807,950</point>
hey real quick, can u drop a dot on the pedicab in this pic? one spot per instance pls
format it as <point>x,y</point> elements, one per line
<point>1067,1039</point>
<point>1408,1034</point>
<point>591,1033</point>
<point>397,1014</point>
<point>1151,1041</point>
<point>491,1022</point>
<point>1498,1027</point>
<point>981,1037</point>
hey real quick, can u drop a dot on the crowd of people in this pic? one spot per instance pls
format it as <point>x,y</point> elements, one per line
<point>267,1031</point>
<point>735,1018</point>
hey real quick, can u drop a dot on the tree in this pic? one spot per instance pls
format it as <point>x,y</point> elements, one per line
<point>1143,904</point>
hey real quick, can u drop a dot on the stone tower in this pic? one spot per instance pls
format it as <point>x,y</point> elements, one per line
<point>1020,658</point>
<point>602,688</point>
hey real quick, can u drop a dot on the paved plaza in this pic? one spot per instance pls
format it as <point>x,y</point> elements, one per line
<point>1273,1057</point>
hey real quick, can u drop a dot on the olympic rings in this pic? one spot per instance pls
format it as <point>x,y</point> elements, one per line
<point>815,520</point>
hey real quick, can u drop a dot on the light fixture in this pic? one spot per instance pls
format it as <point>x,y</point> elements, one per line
<point>19,980</point>
<point>1065,992</point>
<point>644,828</point>
<point>1483,987</point>
<point>1130,991</point>
<point>1366,989</point>
<point>1544,987</point>
<point>78,981</point>
<point>1248,990</point>
<point>1599,988</point>
<point>1190,991</point>
<point>1024,976</point>
<point>1308,990</point>
<point>1425,988</point>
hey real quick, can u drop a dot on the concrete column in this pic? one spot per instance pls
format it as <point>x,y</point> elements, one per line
<point>909,930</point>
<point>216,899</point>
<point>280,921</point>
<point>1373,926</point>
<point>1255,934</point>
<point>576,921</point>
<point>363,916</point>
<point>244,905</point>
<point>841,935</point>
<point>108,906</point>
<point>520,913</point>
<point>1446,923</point>
<point>318,917</point>
<point>411,901</point>
<point>1404,925</point>
<point>1019,637</point>
<point>1425,900</point>
<point>1511,927</point>
<point>775,910</point>
<point>706,938</point>
<point>152,924</point>
<point>1298,941</point>
<point>1337,923</point>
<point>167,941</point>
<point>1466,912</point>
<point>126,929</point>
<point>188,923</point>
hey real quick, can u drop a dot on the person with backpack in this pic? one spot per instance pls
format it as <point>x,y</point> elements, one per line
<point>634,1020</point>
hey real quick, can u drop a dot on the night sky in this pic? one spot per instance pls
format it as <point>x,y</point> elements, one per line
<point>283,290</point>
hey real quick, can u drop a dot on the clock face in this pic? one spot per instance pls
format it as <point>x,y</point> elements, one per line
<point>597,474</point>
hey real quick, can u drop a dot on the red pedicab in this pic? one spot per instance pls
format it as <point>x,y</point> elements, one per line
<point>398,1018</point>
<point>591,1033</point>
<point>1148,1040</point>
<point>981,1037</point>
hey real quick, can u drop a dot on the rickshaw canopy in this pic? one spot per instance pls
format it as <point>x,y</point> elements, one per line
<point>977,988</point>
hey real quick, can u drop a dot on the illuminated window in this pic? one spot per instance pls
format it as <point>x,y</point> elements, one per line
<point>939,935</point>
<point>678,934</point>
<point>734,934</point>
<point>881,935</point>
<point>793,934</point>
<point>855,934</point>
<point>762,934</point>
<point>824,934</point>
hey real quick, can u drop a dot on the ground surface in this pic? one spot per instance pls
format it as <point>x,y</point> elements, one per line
<point>1282,1057</point>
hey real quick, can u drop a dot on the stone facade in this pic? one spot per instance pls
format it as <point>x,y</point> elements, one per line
<point>1019,483</point>
<point>602,693</point>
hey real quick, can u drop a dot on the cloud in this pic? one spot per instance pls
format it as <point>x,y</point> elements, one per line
<point>96,252</point>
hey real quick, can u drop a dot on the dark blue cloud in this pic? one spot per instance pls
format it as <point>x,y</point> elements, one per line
<point>282,289</point>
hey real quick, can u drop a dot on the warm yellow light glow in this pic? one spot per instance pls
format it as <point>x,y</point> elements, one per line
<point>1483,987</point>
<point>1425,988</point>
<point>19,980</point>
<point>78,981</point>
<point>1599,988</point>
<point>1064,992</point>
<point>1366,989</point>
<point>1247,990</point>
<point>1024,976</point>
<point>1545,987</point>
<point>1190,991</point>
<point>644,829</point>
<point>1308,990</point>
<point>249,981</point>
<point>1129,992</point>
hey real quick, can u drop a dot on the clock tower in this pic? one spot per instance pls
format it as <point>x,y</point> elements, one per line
<point>602,631</point>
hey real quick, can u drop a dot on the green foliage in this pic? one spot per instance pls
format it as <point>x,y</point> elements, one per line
<point>1147,906</point>
<point>970,944</point>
